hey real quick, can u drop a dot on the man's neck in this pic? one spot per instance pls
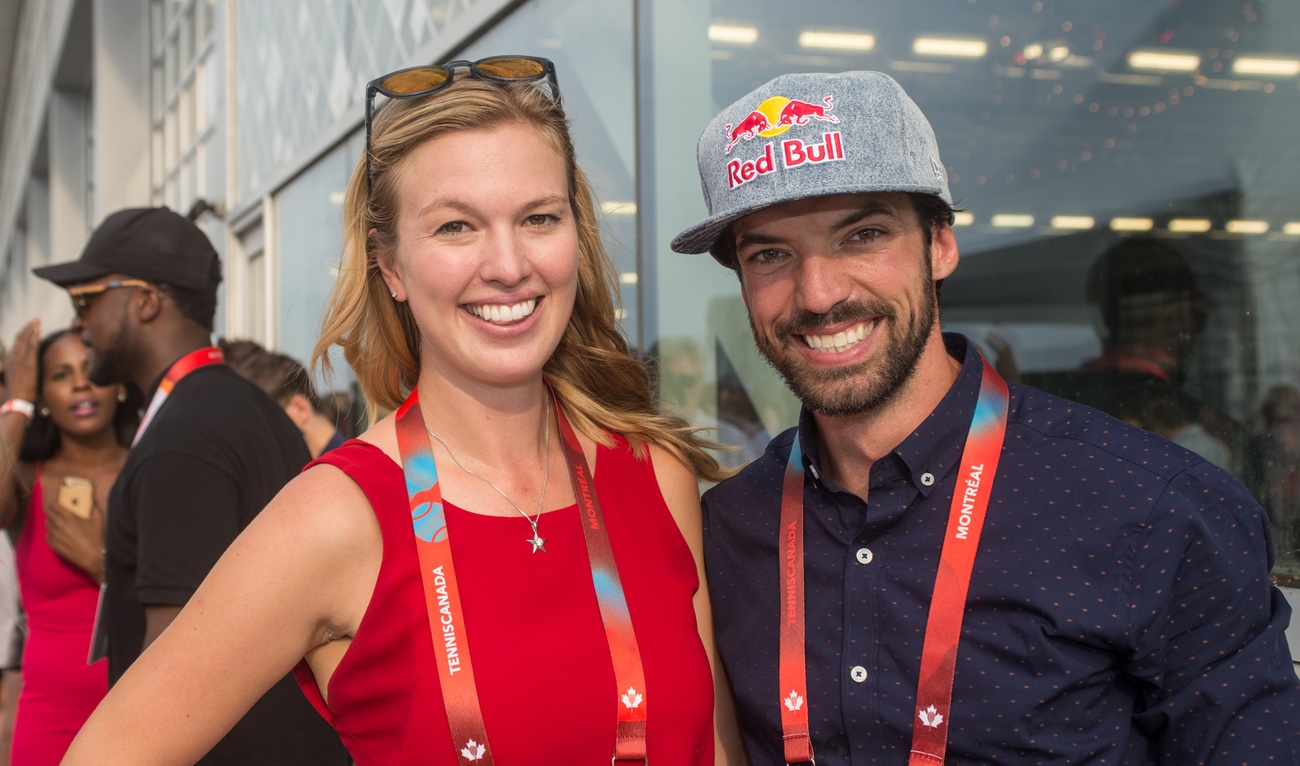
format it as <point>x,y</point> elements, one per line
<point>848,446</point>
<point>159,355</point>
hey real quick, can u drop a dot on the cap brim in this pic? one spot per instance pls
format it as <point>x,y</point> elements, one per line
<point>700,237</point>
<point>73,273</point>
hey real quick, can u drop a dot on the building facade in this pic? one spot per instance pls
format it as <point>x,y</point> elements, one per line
<point>1127,172</point>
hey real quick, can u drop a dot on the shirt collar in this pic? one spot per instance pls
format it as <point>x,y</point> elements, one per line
<point>934,448</point>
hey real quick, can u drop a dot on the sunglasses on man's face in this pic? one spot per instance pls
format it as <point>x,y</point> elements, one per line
<point>82,297</point>
<point>419,81</point>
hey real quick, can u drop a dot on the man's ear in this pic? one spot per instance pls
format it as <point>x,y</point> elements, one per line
<point>943,253</point>
<point>299,410</point>
<point>147,304</point>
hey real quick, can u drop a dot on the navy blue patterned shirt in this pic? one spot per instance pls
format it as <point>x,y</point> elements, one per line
<point>1120,610</point>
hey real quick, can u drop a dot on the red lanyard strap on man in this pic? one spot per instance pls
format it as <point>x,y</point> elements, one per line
<point>443,603</point>
<point>180,368</point>
<point>978,467</point>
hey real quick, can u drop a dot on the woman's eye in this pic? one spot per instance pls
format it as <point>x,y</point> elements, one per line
<point>453,227</point>
<point>540,219</point>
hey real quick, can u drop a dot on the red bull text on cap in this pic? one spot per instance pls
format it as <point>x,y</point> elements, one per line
<point>809,135</point>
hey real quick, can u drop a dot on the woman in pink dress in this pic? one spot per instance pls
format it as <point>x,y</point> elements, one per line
<point>77,434</point>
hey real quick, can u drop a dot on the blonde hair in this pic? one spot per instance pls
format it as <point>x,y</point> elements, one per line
<point>601,386</point>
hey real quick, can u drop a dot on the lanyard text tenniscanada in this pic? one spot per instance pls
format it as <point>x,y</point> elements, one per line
<point>443,602</point>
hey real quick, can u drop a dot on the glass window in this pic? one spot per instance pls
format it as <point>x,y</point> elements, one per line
<point>1129,176</point>
<point>309,243</point>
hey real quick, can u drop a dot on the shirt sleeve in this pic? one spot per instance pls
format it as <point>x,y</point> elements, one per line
<point>187,514</point>
<point>1209,655</point>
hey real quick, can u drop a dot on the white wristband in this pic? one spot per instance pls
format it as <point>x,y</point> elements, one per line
<point>19,405</point>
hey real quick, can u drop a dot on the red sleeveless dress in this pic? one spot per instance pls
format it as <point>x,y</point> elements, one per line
<point>541,660</point>
<point>59,689</point>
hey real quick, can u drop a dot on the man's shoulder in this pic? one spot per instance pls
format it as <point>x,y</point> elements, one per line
<point>1038,420</point>
<point>759,475</point>
<point>215,406</point>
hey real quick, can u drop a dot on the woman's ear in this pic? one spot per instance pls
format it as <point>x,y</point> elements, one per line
<point>386,262</point>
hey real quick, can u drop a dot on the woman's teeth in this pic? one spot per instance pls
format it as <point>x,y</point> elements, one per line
<point>500,314</point>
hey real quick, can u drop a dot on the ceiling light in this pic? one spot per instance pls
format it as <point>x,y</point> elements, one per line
<point>1247,227</point>
<point>963,218</point>
<point>628,277</point>
<point>719,33</point>
<point>1131,224</point>
<point>1012,221</point>
<point>1164,61</point>
<point>837,40</point>
<point>1267,66</point>
<point>618,208</point>
<point>950,46</point>
<point>1073,222</point>
<point>1059,53</point>
<point>1292,227</point>
<point>1033,51</point>
<point>1190,225</point>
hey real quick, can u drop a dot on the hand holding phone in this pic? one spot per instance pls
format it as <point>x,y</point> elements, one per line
<point>77,495</point>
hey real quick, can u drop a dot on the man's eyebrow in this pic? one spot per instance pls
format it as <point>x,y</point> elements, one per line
<point>874,211</point>
<point>753,238</point>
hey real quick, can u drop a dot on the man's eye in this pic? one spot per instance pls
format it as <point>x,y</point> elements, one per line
<point>453,227</point>
<point>866,235</point>
<point>765,256</point>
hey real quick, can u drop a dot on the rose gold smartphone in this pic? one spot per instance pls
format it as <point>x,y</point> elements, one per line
<point>77,495</point>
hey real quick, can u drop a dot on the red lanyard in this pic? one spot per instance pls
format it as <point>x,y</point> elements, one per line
<point>180,368</point>
<point>979,465</point>
<point>443,603</point>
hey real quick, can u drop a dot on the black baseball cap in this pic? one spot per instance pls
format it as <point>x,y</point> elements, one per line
<point>152,243</point>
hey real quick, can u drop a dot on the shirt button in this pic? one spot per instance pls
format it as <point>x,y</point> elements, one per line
<point>864,555</point>
<point>927,479</point>
<point>858,673</point>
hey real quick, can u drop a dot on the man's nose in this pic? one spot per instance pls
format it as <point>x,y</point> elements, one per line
<point>821,285</point>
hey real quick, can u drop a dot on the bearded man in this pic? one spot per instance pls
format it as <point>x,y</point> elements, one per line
<point>936,566</point>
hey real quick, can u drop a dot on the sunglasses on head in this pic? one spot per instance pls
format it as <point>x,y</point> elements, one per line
<point>82,297</point>
<point>424,80</point>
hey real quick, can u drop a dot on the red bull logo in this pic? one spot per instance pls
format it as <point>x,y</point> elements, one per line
<point>770,119</point>
<point>775,116</point>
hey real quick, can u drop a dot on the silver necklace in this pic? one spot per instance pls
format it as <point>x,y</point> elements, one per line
<point>537,541</point>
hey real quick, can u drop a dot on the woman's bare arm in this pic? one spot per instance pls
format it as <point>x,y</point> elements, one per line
<point>307,565</point>
<point>678,485</point>
<point>20,374</point>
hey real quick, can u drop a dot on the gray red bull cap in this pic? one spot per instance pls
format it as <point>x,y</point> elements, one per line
<point>811,135</point>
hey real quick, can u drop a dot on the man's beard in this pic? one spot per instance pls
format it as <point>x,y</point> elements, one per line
<point>114,364</point>
<point>859,388</point>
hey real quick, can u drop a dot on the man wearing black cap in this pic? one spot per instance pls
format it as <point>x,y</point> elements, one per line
<point>936,566</point>
<point>211,451</point>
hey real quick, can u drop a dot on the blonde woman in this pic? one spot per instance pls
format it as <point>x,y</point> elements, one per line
<point>507,568</point>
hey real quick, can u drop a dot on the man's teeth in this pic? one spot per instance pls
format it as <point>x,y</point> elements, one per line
<point>504,314</point>
<point>840,341</point>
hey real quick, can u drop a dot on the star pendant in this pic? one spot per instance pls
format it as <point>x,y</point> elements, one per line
<point>538,543</point>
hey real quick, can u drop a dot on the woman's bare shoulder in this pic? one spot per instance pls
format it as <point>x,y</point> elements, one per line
<point>324,510</point>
